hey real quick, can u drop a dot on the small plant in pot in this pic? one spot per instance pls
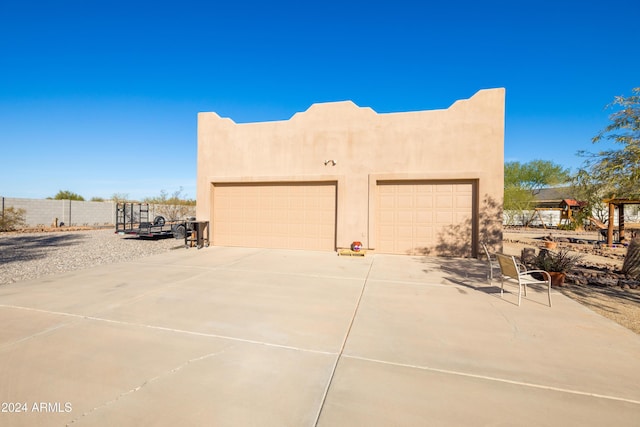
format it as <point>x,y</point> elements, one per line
<point>550,242</point>
<point>557,264</point>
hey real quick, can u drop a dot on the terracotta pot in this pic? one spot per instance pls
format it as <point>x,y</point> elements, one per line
<point>550,245</point>
<point>557,279</point>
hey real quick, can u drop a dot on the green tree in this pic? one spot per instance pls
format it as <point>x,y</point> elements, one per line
<point>517,201</point>
<point>67,195</point>
<point>617,171</point>
<point>522,181</point>
<point>591,193</point>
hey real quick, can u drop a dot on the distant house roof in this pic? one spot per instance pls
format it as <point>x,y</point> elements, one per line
<point>555,194</point>
<point>571,202</point>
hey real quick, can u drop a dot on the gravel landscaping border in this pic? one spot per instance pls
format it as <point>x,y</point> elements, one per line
<point>620,304</point>
<point>25,256</point>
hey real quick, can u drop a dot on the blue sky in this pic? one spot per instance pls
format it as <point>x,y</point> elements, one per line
<point>101,98</point>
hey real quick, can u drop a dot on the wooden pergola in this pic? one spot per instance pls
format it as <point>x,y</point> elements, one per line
<point>620,203</point>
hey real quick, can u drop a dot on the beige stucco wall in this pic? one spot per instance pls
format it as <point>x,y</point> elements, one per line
<point>464,141</point>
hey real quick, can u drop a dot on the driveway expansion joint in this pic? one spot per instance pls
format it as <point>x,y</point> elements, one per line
<point>166,329</point>
<point>344,343</point>
<point>496,379</point>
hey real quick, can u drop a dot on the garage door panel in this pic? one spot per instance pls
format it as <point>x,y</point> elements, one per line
<point>404,216</point>
<point>444,201</point>
<point>404,232</point>
<point>444,188</point>
<point>424,216</point>
<point>250,215</point>
<point>326,231</point>
<point>386,217</point>
<point>252,228</point>
<point>315,217</point>
<point>280,203</point>
<point>250,203</point>
<point>463,201</point>
<point>282,215</point>
<point>312,230</point>
<point>297,218</point>
<point>296,230</point>
<point>424,232</point>
<point>421,216</point>
<point>444,218</point>
<point>314,202</point>
<point>296,204</point>
<point>278,242</point>
<point>462,218</point>
<point>424,200</point>
<point>385,231</point>
<point>405,201</point>
<point>280,229</point>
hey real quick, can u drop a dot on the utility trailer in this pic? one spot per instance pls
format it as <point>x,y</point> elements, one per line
<point>133,219</point>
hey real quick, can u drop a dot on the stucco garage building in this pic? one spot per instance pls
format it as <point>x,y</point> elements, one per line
<point>425,182</point>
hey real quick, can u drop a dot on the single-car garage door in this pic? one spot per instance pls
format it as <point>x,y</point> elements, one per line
<point>424,217</point>
<point>275,215</point>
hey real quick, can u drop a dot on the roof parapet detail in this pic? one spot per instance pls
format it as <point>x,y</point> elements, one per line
<point>341,109</point>
<point>482,93</point>
<point>216,116</point>
<point>337,108</point>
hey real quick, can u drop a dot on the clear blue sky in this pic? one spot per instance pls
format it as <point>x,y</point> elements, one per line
<point>102,97</point>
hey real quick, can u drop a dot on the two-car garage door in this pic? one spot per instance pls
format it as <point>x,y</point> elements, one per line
<point>424,217</point>
<point>410,217</point>
<point>299,215</point>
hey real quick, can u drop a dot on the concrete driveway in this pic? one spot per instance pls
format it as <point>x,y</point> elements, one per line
<point>256,337</point>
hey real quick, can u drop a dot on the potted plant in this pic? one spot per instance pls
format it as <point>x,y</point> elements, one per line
<point>550,242</point>
<point>557,264</point>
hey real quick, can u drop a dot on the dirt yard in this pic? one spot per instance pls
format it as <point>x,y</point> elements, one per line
<point>595,283</point>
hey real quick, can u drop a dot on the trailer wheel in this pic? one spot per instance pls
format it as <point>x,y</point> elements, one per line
<point>179,231</point>
<point>159,220</point>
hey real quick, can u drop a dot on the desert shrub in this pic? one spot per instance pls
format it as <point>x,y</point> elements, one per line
<point>562,261</point>
<point>172,207</point>
<point>12,219</point>
<point>572,226</point>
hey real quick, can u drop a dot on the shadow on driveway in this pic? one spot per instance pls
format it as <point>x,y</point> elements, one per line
<point>29,247</point>
<point>469,273</point>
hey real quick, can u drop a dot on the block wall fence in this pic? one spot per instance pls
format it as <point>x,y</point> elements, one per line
<point>70,212</point>
<point>44,212</point>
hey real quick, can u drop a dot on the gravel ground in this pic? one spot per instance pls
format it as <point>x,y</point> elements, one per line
<point>26,256</point>
<point>622,305</point>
